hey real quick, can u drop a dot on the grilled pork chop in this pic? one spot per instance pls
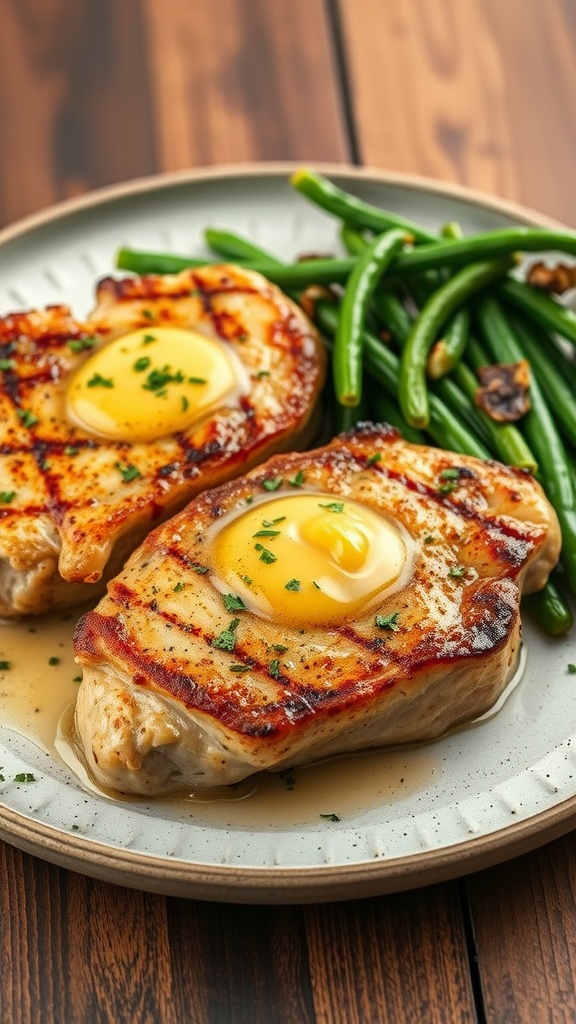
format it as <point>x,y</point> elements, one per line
<point>165,705</point>
<point>73,504</point>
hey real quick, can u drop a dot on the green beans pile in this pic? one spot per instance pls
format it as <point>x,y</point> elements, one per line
<point>418,314</point>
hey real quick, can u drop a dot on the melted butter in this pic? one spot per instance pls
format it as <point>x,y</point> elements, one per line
<point>150,383</point>
<point>308,559</point>
<point>34,691</point>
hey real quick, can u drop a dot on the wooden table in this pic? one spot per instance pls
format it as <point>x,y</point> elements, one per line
<point>479,92</point>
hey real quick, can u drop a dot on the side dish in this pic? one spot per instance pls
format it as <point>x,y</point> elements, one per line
<point>253,630</point>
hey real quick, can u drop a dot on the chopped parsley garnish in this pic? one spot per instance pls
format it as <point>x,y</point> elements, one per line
<point>452,478</point>
<point>298,479</point>
<point>233,603</point>
<point>373,459</point>
<point>98,381</point>
<point>158,379</point>
<point>279,647</point>
<point>428,539</point>
<point>273,522</point>
<point>571,668</point>
<point>247,580</point>
<point>54,661</point>
<point>6,497</point>
<point>457,570</point>
<point>142,363</point>
<point>128,472</point>
<point>71,450</point>
<point>265,555</point>
<point>199,568</point>
<point>24,777</point>
<point>272,484</point>
<point>239,668</point>
<point>5,666</point>
<point>267,533</point>
<point>27,418</point>
<point>387,621</point>
<point>263,373</point>
<point>226,640</point>
<point>197,380</point>
<point>331,817</point>
<point>274,668</point>
<point>317,585</point>
<point>249,499</point>
<point>77,679</point>
<point>185,403</point>
<point>6,364</point>
<point>179,587</point>
<point>148,339</point>
<point>81,344</point>
<point>332,506</point>
<point>148,314</point>
<point>292,585</point>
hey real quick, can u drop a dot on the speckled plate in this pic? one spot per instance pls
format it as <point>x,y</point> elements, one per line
<point>474,798</point>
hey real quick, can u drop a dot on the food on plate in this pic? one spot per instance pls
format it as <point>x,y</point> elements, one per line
<point>362,594</point>
<point>173,384</point>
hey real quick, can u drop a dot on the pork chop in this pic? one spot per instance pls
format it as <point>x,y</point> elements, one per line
<point>183,689</point>
<point>74,503</point>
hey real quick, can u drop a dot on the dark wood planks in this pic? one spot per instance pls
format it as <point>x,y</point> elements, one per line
<point>74,103</point>
<point>525,923</point>
<point>242,80</point>
<point>477,93</point>
<point>398,958</point>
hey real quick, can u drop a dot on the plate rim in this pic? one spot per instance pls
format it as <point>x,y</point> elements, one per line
<point>277,884</point>
<point>171,179</point>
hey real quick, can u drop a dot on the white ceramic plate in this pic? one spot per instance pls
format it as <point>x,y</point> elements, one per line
<point>472,799</point>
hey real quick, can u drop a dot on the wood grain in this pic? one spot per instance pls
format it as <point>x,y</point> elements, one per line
<point>525,926</point>
<point>399,958</point>
<point>73,100</point>
<point>242,80</point>
<point>478,93</point>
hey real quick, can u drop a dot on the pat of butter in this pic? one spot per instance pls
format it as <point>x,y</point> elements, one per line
<point>308,559</point>
<point>150,383</point>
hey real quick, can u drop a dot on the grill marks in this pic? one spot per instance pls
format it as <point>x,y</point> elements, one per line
<point>375,661</point>
<point>74,479</point>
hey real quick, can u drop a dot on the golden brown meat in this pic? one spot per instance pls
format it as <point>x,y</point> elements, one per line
<point>73,504</point>
<point>166,704</point>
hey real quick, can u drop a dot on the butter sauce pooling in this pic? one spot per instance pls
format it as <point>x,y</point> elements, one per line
<point>151,383</point>
<point>37,694</point>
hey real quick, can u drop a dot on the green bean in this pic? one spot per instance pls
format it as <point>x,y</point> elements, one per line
<point>505,439</point>
<point>387,411</point>
<point>289,275</point>
<point>329,197</point>
<point>444,428</point>
<point>452,253</point>
<point>347,352</point>
<point>558,393</point>
<point>353,240</point>
<point>156,262</point>
<point>235,247</point>
<point>549,609</point>
<point>541,307</point>
<point>446,353</point>
<point>540,430</point>
<point>392,314</point>
<point>413,393</point>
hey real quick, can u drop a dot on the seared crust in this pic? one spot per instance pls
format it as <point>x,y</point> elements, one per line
<point>159,707</point>
<point>71,518</point>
